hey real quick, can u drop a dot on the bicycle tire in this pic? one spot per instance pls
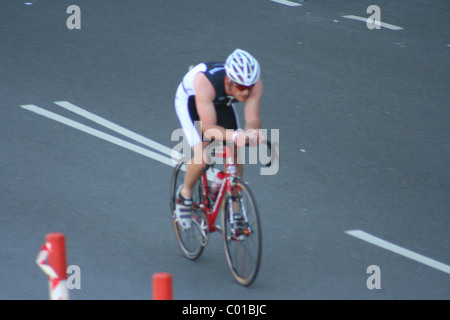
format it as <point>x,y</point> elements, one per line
<point>190,240</point>
<point>243,253</point>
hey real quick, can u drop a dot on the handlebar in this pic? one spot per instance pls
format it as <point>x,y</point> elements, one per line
<point>272,151</point>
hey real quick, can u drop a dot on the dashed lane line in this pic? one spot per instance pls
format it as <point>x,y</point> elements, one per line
<point>399,250</point>
<point>382,24</point>
<point>287,3</point>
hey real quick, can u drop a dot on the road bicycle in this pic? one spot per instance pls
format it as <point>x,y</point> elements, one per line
<point>242,244</point>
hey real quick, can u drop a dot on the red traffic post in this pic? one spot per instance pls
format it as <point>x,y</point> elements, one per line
<point>57,253</point>
<point>56,244</point>
<point>162,286</point>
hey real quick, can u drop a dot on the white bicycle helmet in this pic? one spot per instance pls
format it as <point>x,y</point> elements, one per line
<point>242,68</point>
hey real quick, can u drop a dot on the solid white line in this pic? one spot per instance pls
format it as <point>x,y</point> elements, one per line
<point>287,3</point>
<point>119,129</point>
<point>383,24</point>
<point>128,133</point>
<point>100,134</point>
<point>399,250</point>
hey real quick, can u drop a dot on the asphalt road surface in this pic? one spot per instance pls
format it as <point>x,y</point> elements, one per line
<point>363,118</point>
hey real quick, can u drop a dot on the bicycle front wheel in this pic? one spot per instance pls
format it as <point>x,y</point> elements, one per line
<point>191,240</point>
<point>243,245</point>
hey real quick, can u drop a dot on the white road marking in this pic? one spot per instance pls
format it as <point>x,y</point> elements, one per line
<point>100,134</point>
<point>287,3</point>
<point>119,129</point>
<point>128,133</point>
<point>383,24</point>
<point>399,250</point>
<point>171,160</point>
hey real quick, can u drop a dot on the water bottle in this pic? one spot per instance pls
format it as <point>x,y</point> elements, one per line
<point>215,185</point>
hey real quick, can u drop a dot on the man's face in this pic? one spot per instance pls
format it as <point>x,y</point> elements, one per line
<point>240,92</point>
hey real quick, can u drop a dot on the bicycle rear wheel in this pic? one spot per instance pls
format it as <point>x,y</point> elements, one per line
<point>191,240</point>
<point>243,250</point>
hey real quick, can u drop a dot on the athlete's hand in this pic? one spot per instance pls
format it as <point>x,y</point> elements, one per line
<point>255,136</point>
<point>252,137</point>
<point>240,138</point>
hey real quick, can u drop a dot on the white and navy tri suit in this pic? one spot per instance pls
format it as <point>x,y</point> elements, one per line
<point>185,101</point>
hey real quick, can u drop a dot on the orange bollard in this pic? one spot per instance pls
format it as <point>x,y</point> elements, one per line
<point>162,286</point>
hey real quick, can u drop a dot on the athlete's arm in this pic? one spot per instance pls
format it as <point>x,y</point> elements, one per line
<point>204,97</point>
<point>252,113</point>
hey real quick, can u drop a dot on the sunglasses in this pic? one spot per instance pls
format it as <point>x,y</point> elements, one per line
<point>241,87</point>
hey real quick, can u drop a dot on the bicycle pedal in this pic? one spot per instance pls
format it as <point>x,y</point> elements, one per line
<point>241,234</point>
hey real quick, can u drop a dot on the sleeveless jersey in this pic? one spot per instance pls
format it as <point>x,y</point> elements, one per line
<point>215,73</point>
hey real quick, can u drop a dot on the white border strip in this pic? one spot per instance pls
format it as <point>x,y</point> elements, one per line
<point>383,24</point>
<point>287,3</point>
<point>399,250</point>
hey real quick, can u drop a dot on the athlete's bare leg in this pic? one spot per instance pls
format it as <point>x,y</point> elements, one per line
<point>194,169</point>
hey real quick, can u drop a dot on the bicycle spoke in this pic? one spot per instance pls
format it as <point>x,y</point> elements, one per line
<point>242,249</point>
<point>193,239</point>
<point>243,258</point>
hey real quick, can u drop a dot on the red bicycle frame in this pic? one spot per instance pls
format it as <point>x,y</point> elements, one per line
<point>230,171</point>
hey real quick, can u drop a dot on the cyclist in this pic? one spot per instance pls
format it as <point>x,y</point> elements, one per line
<point>208,93</point>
